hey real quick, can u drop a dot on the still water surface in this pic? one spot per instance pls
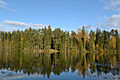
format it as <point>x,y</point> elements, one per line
<point>59,66</point>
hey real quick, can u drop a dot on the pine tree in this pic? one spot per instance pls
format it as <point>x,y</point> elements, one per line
<point>117,40</point>
<point>92,41</point>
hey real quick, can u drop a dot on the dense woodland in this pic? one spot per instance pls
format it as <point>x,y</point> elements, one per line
<point>57,39</point>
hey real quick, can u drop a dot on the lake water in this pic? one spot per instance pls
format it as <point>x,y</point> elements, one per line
<point>59,66</point>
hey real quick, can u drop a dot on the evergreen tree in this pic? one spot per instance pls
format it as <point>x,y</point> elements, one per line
<point>117,40</point>
<point>33,40</point>
<point>92,41</point>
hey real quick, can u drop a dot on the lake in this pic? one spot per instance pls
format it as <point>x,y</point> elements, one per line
<point>59,66</point>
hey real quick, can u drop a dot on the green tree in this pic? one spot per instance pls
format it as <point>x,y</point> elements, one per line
<point>92,41</point>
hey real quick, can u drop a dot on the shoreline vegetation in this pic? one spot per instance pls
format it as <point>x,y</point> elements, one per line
<point>46,40</point>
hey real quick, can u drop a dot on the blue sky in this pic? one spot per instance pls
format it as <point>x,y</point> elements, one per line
<point>64,14</point>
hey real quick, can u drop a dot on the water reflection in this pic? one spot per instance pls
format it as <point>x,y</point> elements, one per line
<point>85,65</point>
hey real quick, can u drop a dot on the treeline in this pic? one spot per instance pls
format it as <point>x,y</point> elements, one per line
<point>57,39</point>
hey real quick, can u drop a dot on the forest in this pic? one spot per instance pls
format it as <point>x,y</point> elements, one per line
<point>57,40</point>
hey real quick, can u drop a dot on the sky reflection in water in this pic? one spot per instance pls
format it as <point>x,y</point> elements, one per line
<point>76,66</point>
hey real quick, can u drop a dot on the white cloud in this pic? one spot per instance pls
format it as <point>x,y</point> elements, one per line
<point>39,25</point>
<point>118,9</point>
<point>115,2</point>
<point>3,3</point>
<point>4,6</point>
<point>15,23</point>
<point>22,24</point>
<point>13,29</point>
<point>114,20</point>
<point>114,29</point>
<point>1,27</point>
<point>112,5</point>
<point>118,29</point>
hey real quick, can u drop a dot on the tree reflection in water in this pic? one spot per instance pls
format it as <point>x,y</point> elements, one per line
<point>45,64</point>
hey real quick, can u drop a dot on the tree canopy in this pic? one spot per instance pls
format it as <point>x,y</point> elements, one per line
<point>57,39</point>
